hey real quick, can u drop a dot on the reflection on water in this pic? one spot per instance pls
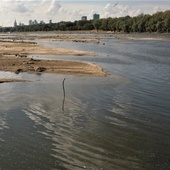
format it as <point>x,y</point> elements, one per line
<point>115,122</point>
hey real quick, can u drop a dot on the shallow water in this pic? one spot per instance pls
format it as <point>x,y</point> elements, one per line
<point>117,122</point>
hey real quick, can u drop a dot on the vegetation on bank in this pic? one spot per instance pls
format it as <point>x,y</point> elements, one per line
<point>158,22</point>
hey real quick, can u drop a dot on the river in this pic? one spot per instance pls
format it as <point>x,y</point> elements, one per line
<point>120,122</point>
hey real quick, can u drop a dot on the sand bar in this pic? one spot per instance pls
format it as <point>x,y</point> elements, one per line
<point>3,80</point>
<point>13,58</point>
<point>14,48</point>
<point>77,68</point>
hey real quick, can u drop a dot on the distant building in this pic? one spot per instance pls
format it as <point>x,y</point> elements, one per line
<point>84,18</point>
<point>42,22</point>
<point>96,16</point>
<point>33,22</point>
<point>21,24</point>
<point>50,21</point>
<point>30,22</point>
<point>15,23</point>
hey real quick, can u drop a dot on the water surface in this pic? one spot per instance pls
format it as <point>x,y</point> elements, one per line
<point>117,122</point>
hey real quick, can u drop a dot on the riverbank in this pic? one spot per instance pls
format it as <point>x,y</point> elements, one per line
<point>82,36</point>
<point>144,37</point>
<point>76,68</point>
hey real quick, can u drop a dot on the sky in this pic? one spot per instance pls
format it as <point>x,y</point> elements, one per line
<point>71,10</point>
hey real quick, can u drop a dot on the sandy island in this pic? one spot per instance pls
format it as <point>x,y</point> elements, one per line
<point>24,48</point>
<point>17,65</point>
<point>13,58</point>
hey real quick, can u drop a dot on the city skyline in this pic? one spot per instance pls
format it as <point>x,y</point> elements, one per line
<point>63,10</point>
<point>35,22</point>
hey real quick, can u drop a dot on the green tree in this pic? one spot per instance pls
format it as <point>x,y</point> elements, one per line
<point>97,24</point>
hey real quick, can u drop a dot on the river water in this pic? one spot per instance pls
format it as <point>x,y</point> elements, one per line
<point>120,122</point>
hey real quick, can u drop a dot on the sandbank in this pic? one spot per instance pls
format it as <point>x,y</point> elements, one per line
<point>13,58</point>
<point>76,68</point>
<point>15,48</point>
<point>3,80</point>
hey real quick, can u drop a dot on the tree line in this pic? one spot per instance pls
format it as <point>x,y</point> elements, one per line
<point>158,22</point>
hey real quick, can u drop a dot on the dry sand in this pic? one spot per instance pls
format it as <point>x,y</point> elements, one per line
<point>14,48</point>
<point>17,65</point>
<point>13,58</point>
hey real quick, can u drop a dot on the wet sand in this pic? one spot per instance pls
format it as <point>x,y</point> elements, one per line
<point>12,80</point>
<point>13,58</point>
<point>76,68</point>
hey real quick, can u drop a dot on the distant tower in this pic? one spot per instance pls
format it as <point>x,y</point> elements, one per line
<point>96,16</point>
<point>84,18</point>
<point>30,22</point>
<point>50,21</point>
<point>15,23</point>
<point>35,22</point>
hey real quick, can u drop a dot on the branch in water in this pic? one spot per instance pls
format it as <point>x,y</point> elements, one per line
<point>63,94</point>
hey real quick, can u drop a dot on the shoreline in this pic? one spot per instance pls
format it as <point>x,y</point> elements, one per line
<point>3,80</point>
<point>78,36</point>
<point>67,67</point>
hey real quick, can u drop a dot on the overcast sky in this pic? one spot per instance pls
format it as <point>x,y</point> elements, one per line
<point>69,10</point>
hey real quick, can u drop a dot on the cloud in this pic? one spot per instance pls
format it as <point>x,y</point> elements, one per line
<point>54,7</point>
<point>120,10</point>
<point>13,6</point>
<point>156,9</point>
<point>20,8</point>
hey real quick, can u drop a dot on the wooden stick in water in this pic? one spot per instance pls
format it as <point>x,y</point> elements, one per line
<point>63,94</point>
